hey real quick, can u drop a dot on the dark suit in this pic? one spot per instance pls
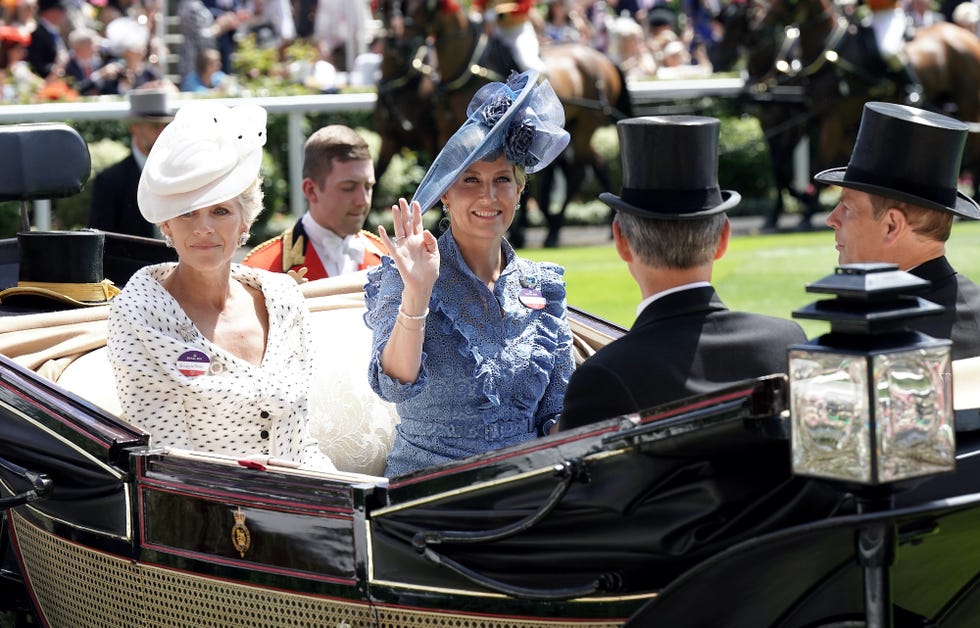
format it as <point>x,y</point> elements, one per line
<point>685,343</point>
<point>114,205</point>
<point>82,78</point>
<point>961,298</point>
<point>42,52</point>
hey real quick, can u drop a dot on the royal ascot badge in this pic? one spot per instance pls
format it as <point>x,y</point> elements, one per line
<point>193,363</point>
<point>532,298</point>
<point>241,538</point>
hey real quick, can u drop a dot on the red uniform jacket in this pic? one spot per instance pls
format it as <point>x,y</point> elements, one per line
<point>298,252</point>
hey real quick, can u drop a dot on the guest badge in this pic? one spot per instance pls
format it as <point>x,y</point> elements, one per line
<point>532,298</point>
<point>193,363</point>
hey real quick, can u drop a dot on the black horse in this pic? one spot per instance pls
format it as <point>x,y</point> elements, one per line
<point>773,98</point>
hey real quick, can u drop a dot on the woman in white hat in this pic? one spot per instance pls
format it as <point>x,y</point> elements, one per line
<point>211,355</point>
<point>471,342</point>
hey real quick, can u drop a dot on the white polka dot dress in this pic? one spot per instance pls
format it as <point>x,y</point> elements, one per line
<point>189,393</point>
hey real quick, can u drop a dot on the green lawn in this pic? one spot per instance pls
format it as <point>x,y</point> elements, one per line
<point>764,273</point>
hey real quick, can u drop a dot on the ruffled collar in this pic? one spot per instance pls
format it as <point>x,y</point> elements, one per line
<point>458,289</point>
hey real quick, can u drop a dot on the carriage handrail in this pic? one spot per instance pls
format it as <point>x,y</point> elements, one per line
<point>41,486</point>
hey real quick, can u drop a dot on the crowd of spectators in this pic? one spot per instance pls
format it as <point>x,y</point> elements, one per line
<point>68,48</point>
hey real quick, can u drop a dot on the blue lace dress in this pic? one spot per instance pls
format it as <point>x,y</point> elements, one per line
<point>493,369</point>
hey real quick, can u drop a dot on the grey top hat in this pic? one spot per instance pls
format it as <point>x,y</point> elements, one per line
<point>908,155</point>
<point>670,168</point>
<point>151,105</point>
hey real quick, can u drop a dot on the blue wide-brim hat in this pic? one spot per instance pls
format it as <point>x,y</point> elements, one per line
<point>521,118</point>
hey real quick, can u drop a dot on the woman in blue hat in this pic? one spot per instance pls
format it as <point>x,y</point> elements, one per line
<point>471,342</point>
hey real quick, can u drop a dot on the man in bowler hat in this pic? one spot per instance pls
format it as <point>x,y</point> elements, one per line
<point>897,205</point>
<point>113,206</point>
<point>670,227</point>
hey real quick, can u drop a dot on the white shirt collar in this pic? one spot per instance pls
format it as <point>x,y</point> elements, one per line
<point>653,297</point>
<point>339,255</point>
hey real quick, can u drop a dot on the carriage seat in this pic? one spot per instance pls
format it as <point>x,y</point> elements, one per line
<point>353,425</point>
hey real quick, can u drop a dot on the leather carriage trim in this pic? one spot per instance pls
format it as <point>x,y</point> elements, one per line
<point>648,595</point>
<point>292,507</point>
<point>13,382</point>
<point>470,488</point>
<point>40,514</point>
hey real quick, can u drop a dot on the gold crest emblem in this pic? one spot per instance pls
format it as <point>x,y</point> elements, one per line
<point>241,538</point>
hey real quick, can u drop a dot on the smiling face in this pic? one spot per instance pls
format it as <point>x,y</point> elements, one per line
<point>207,238</point>
<point>343,201</point>
<point>483,200</point>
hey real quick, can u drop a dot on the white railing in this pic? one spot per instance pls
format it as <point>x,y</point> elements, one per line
<point>297,107</point>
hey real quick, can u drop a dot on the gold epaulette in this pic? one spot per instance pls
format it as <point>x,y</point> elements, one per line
<point>262,245</point>
<point>376,244</point>
<point>294,254</point>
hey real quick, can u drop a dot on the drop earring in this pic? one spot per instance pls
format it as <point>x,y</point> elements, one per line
<point>168,242</point>
<point>244,239</point>
<point>444,222</point>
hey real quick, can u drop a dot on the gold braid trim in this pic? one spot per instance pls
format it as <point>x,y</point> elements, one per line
<point>87,292</point>
<point>293,253</point>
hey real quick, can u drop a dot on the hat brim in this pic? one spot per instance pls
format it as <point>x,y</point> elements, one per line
<point>729,199</point>
<point>22,292</point>
<point>965,206</point>
<point>146,117</point>
<point>444,170</point>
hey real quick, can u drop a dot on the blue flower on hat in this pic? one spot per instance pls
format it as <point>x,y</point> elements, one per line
<point>517,144</point>
<point>496,108</point>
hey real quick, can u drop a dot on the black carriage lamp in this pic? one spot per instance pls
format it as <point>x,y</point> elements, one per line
<point>871,401</point>
<point>871,404</point>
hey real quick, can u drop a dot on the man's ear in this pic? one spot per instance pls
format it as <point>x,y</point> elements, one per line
<point>726,235</point>
<point>895,223</point>
<point>622,246</point>
<point>309,189</point>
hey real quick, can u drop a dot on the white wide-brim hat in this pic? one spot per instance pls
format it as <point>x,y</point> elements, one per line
<point>209,154</point>
<point>522,119</point>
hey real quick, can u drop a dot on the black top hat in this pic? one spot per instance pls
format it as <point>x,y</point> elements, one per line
<point>44,5</point>
<point>661,16</point>
<point>670,168</point>
<point>62,265</point>
<point>909,155</point>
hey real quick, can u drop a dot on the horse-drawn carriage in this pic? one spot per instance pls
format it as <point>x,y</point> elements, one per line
<point>685,514</point>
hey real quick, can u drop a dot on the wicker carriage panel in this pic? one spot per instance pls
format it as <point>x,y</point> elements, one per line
<point>79,587</point>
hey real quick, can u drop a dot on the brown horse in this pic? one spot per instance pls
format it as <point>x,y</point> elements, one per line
<point>841,71</point>
<point>590,86</point>
<point>403,115</point>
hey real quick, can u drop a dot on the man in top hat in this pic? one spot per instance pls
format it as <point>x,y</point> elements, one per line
<point>113,206</point>
<point>328,240</point>
<point>670,227</point>
<point>897,205</point>
<point>47,54</point>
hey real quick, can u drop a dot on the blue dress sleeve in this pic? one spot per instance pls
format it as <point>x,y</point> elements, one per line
<point>553,288</point>
<point>383,294</point>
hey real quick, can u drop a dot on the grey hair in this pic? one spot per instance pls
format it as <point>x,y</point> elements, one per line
<point>676,244</point>
<point>251,201</point>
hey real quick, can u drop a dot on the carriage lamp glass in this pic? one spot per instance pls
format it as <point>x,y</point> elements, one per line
<point>871,401</point>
